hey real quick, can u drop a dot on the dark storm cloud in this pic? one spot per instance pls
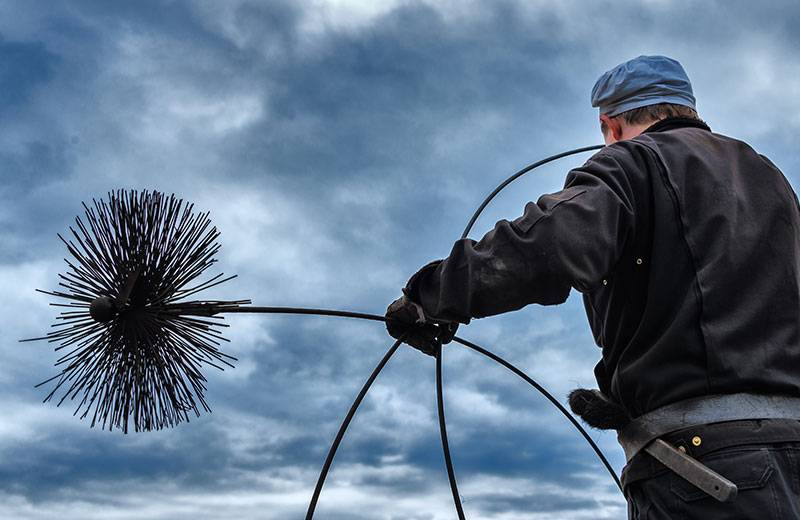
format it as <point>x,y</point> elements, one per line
<point>377,96</point>
<point>26,66</point>
<point>37,164</point>
<point>103,457</point>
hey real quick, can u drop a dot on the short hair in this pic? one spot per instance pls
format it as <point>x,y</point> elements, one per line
<point>653,113</point>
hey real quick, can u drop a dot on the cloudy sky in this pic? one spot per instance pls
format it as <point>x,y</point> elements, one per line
<point>339,145</point>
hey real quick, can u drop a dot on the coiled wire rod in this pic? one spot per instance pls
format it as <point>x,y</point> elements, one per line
<point>516,176</point>
<point>451,474</point>
<point>549,396</point>
<point>323,474</point>
<point>439,390</point>
<point>440,402</point>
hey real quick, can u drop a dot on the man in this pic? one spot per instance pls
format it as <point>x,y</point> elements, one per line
<point>686,247</point>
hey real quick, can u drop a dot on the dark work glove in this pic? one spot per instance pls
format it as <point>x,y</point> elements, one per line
<point>406,320</point>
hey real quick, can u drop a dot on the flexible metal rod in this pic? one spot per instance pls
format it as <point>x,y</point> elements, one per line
<point>550,397</point>
<point>445,446</point>
<point>303,310</point>
<point>439,391</point>
<point>451,474</point>
<point>516,176</point>
<point>364,389</point>
<point>343,428</point>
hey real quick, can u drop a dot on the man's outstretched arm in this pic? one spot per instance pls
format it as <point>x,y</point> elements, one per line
<point>572,238</point>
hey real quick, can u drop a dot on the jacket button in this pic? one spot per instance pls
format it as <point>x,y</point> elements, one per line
<point>605,282</point>
<point>696,441</point>
<point>638,261</point>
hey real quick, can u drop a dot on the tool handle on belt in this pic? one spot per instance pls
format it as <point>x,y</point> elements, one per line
<point>693,471</point>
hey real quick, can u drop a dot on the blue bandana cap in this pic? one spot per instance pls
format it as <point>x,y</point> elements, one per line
<point>642,81</point>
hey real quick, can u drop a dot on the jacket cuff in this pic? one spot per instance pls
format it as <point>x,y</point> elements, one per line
<point>412,288</point>
<point>418,289</point>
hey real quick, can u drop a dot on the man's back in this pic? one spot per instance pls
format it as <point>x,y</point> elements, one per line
<point>705,298</point>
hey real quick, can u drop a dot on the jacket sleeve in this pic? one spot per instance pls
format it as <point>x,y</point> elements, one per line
<point>571,238</point>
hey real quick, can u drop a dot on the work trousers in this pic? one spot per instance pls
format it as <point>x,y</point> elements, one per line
<point>761,457</point>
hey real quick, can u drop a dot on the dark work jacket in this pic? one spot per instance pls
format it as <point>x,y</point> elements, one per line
<point>685,246</point>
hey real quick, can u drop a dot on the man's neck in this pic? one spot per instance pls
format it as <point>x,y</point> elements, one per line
<point>668,123</point>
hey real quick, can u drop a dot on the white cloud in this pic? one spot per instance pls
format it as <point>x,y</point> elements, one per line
<point>609,503</point>
<point>29,317</point>
<point>32,422</point>
<point>322,16</point>
<point>175,104</point>
<point>352,489</point>
<point>767,93</point>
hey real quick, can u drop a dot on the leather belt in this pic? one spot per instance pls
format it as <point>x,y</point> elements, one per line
<point>642,433</point>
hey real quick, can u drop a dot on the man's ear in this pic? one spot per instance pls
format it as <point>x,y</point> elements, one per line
<point>614,126</point>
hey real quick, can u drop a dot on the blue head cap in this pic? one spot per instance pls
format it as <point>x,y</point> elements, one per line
<point>642,81</point>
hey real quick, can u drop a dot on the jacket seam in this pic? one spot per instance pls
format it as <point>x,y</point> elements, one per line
<point>546,214</point>
<point>673,192</point>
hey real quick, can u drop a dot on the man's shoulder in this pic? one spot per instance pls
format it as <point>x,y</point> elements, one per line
<point>687,136</point>
<point>632,156</point>
<point>686,142</point>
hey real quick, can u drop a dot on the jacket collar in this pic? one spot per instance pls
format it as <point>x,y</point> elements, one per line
<point>670,123</point>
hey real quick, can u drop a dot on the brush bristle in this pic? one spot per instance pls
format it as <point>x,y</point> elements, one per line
<point>597,410</point>
<point>139,363</point>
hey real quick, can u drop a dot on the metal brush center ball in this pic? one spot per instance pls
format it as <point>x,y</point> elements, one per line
<point>102,309</point>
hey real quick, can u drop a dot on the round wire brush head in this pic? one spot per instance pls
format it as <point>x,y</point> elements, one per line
<point>134,346</point>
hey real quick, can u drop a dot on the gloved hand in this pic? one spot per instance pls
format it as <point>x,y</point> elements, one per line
<point>406,320</point>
